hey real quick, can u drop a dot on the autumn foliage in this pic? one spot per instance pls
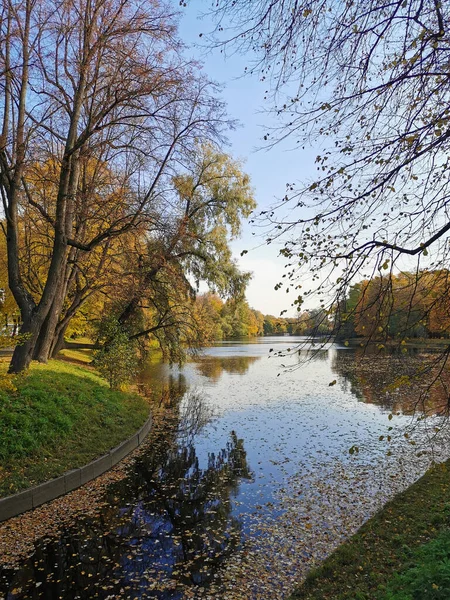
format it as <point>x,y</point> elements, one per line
<point>397,306</point>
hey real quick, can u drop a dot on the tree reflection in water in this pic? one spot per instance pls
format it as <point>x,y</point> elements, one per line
<point>166,527</point>
<point>213,366</point>
<point>414,383</point>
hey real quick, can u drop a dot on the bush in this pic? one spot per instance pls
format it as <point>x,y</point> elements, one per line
<point>117,359</point>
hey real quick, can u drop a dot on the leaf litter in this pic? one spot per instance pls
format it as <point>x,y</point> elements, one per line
<point>247,521</point>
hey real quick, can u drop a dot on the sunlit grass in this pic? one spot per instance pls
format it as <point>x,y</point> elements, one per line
<point>82,355</point>
<point>58,417</point>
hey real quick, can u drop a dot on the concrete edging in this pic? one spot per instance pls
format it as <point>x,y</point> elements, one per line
<point>14,505</point>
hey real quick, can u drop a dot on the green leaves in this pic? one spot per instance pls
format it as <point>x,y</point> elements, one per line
<point>117,360</point>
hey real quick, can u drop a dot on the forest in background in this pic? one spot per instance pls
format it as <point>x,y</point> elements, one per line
<point>393,307</point>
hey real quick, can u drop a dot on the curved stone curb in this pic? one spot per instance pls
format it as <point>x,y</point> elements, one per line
<point>14,505</point>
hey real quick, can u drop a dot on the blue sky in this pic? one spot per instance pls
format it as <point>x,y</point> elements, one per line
<point>269,170</point>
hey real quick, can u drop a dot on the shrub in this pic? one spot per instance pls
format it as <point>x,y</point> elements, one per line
<point>117,359</point>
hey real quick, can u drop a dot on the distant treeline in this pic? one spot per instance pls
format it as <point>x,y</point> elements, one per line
<point>392,306</point>
<point>405,305</point>
<point>234,319</point>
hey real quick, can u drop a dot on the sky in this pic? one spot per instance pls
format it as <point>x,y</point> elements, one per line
<point>269,170</point>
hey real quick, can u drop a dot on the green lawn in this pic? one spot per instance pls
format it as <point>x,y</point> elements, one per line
<point>402,553</point>
<point>57,417</point>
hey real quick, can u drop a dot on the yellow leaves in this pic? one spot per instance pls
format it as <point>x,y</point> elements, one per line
<point>410,139</point>
<point>184,184</point>
<point>8,383</point>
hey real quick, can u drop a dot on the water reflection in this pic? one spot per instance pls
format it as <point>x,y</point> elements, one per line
<point>404,384</point>
<point>213,367</point>
<point>319,353</point>
<point>175,525</point>
<point>163,385</point>
<point>166,526</point>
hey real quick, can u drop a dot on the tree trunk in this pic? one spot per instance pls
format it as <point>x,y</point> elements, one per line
<point>78,300</point>
<point>34,320</point>
<point>47,333</point>
<point>58,340</point>
<point>129,310</point>
<point>23,353</point>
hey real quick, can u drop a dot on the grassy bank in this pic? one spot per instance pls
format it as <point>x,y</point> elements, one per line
<point>402,553</point>
<point>58,417</point>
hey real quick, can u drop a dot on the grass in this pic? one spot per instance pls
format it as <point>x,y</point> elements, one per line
<point>76,355</point>
<point>428,575</point>
<point>58,417</point>
<point>386,558</point>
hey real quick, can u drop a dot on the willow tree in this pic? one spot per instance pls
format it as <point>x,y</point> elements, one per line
<point>203,210</point>
<point>366,82</point>
<point>97,79</point>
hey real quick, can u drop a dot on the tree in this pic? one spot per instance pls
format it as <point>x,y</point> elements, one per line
<point>405,305</point>
<point>9,312</point>
<point>204,207</point>
<point>102,80</point>
<point>370,80</point>
<point>100,201</point>
<point>116,360</point>
<point>209,308</point>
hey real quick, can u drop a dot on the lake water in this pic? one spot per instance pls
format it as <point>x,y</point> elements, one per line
<point>262,459</point>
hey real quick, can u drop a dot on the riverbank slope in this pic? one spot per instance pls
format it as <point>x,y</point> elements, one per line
<point>401,553</point>
<point>58,417</point>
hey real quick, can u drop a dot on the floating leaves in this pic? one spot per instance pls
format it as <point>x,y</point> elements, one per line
<point>237,497</point>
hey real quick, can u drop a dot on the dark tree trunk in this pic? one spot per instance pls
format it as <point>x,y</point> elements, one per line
<point>129,310</point>
<point>47,333</point>
<point>59,343</point>
<point>79,298</point>
<point>21,358</point>
<point>35,319</point>
<point>41,338</point>
<point>133,304</point>
<point>23,353</point>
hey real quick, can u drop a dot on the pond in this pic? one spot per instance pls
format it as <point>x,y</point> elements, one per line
<point>263,457</point>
